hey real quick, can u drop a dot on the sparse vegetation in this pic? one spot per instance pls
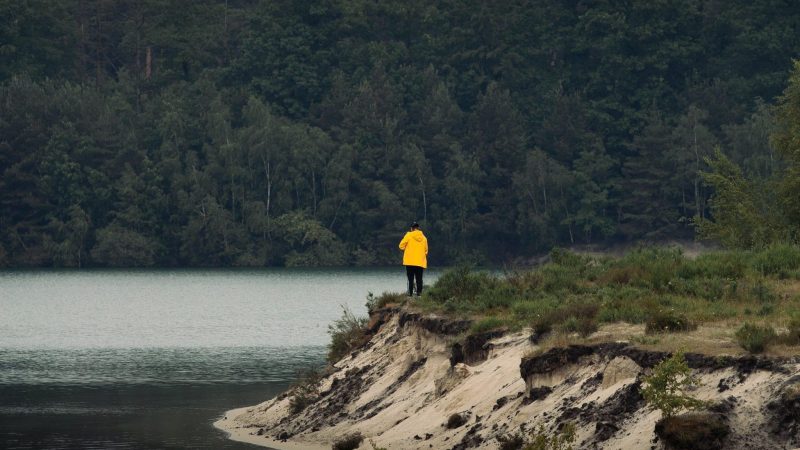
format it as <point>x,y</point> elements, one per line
<point>348,442</point>
<point>304,391</point>
<point>347,333</point>
<point>487,324</point>
<point>664,388</point>
<point>511,442</point>
<point>655,286</point>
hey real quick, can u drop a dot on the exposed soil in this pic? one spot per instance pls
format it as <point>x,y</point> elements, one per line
<point>404,386</point>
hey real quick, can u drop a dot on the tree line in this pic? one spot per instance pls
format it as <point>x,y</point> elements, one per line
<point>301,133</point>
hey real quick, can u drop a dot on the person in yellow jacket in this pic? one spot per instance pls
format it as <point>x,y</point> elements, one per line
<point>415,257</point>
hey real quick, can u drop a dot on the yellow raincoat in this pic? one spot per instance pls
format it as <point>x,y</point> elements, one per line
<point>415,249</point>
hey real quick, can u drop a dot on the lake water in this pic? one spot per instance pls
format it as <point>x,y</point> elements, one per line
<point>149,359</point>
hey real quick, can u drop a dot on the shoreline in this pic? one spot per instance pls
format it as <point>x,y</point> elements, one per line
<point>244,434</point>
<point>404,389</point>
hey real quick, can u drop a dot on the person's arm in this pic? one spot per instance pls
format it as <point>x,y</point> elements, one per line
<point>404,242</point>
<point>426,246</point>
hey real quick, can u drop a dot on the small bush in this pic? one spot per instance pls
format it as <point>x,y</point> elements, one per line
<point>455,421</point>
<point>667,322</point>
<point>663,389</point>
<point>348,442</point>
<point>347,333</point>
<point>457,289</point>
<point>487,324</point>
<point>755,338</point>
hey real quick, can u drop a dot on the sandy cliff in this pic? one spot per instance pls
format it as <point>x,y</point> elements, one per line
<point>416,371</point>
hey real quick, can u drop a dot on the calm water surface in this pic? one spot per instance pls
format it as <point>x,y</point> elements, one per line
<point>149,359</point>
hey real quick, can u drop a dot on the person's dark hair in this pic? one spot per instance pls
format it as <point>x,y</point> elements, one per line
<point>414,225</point>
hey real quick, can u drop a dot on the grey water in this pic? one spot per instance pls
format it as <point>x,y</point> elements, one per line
<point>150,359</point>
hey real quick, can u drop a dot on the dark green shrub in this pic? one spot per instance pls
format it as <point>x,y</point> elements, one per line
<point>457,289</point>
<point>347,333</point>
<point>755,338</point>
<point>455,421</point>
<point>348,442</point>
<point>667,321</point>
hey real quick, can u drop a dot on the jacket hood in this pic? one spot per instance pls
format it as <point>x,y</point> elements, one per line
<point>417,235</point>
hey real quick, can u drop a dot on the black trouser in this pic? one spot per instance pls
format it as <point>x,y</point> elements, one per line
<point>414,272</point>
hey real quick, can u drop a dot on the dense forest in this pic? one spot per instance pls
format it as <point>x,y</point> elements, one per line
<point>300,132</point>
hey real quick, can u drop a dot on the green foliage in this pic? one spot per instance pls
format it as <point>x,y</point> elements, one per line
<point>744,216</point>
<point>347,334</point>
<point>560,440</point>
<point>755,338</point>
<point>462,289</point>
<point>664,388</point>
<point>255,133</point>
